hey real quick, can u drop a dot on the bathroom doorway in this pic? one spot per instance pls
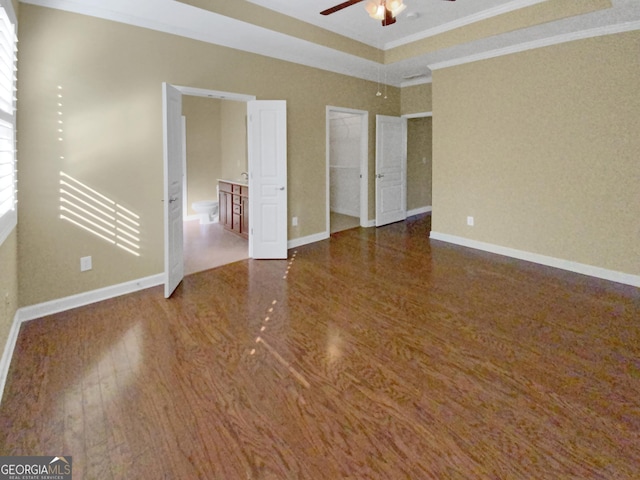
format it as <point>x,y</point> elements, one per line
<point>347,162</point>
<point>215,147</point>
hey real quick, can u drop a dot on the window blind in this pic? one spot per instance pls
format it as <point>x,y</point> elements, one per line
<point>8,62</point>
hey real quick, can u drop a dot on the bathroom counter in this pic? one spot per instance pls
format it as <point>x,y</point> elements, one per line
<point>242,182</point>
<point>234,206</point>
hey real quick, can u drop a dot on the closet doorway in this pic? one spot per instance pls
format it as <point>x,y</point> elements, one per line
<point>347,172</point>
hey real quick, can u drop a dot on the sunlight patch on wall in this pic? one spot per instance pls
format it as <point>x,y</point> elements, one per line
<point>99,215</point>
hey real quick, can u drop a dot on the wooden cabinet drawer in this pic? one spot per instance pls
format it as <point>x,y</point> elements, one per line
<point>234,207</point>
<point>225,187</point>
<point>237,223</point>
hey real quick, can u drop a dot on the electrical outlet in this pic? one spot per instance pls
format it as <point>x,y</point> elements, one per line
<point>470,221</point>
<point>85,264</point>
<point>294,222</point>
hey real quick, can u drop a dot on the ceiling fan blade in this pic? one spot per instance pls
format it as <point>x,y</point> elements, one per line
<point>340,6</point>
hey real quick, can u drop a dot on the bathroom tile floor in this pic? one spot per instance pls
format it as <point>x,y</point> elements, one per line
<point>210,246</point>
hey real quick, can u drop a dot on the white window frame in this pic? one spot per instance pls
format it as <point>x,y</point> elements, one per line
<point>9,219</point>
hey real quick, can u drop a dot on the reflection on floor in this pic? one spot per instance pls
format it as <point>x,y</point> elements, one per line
<point>340,222</point>
<point>210,246</point>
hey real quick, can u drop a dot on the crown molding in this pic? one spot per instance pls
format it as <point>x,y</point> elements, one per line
<point>544,42</point>
<point>462,22</point>
<point>417,81</point>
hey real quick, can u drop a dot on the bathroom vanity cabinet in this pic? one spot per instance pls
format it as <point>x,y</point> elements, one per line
<point>234,207</point>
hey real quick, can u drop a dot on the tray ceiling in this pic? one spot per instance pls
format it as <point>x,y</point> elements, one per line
<point>429,34</point>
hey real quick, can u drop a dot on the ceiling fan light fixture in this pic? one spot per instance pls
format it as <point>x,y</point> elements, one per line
<point>376,9</point>
<point>395,6</point>
<point>385,10</point>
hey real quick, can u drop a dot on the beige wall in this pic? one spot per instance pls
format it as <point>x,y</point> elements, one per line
<point>416,99</point>
<point>541,147</point>
<point>204,158</point>
<point>234,139</point>
<point>419,158</point>
<point>112,106</point>
<point>8,286</point>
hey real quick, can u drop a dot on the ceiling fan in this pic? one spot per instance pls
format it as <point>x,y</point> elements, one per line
<point>384,10</point>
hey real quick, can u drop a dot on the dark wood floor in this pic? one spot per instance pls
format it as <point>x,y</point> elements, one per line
<point>378,354</point>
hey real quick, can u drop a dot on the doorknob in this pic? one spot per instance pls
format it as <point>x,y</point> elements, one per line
<point>379,175</point>
<point>173,199</point>
<point>281,188</point>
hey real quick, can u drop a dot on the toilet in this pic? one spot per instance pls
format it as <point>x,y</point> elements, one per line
<point>207,210</point>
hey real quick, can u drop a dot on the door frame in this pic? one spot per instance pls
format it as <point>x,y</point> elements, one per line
<point>199,92</point>
<point>364,164</point>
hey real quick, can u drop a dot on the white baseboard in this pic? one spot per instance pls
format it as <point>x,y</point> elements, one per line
<point>370,223</point>
<point>67,303</point>
<point>7,354</point>
<point>590,270</point>
<point>298,242</point>
<point>418,211</point>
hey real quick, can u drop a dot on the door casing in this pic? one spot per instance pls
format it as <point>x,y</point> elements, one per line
<point>364,164</point>
<point>198,92</point>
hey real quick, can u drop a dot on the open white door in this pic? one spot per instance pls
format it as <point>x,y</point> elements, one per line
<point>267,139</point>
<point>391,169</point>
<point>173,241</point>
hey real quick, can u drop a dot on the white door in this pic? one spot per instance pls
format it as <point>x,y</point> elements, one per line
<point>173,241</point>
<point>391,174</point>
<point>267,139</point>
